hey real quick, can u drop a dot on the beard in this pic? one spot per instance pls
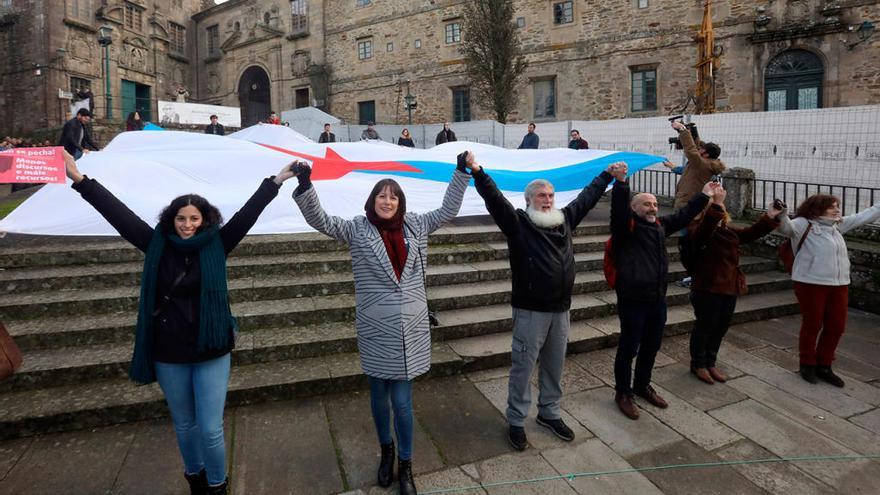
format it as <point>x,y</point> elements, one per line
<point>546,219</point>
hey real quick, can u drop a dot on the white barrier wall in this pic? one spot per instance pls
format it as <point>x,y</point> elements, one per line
<point>824,146</point>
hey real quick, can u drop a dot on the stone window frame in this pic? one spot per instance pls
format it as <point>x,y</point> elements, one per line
<point>645,101</point>
<point>642,4</point>
<point>78,83</point>
<point>389,47</point>
<point>133,17</point>
<point>464,114</point>
<point>452,32</point>
<point>365,48</point>
<point>80,10</point>
<point>299,16</point>
<point>545,116</point>
<point>418,44</point>
<point>212,40</point>
<point>559,10</point>
<point>177,38</point>
<point>362,3</point>
<point>520,22</point>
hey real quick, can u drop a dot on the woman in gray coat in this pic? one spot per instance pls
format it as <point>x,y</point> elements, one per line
<point>388,257</point>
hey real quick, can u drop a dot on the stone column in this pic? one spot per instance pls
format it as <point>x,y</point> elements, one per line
<point>739,183</point>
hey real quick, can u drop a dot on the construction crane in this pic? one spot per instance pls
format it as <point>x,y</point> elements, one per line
<point>707,57</point>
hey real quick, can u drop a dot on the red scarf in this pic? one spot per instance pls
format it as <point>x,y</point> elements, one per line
<point>391,231</point>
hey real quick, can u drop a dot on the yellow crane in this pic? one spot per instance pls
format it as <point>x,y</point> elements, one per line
<point>706,59</point>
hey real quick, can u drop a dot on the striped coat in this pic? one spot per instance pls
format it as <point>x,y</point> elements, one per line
<point>393,334</point>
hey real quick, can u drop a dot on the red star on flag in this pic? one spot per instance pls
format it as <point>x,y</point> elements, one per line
<point>333,166</point>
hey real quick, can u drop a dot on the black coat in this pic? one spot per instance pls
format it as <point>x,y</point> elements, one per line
<point>324,138</point>
<point>70,137</point>
<point>177,326</point>
<point>215,129</point>
<point>541,260</point>
<point>445,136</point>
<point>408,142</point>
<point>639,247</point>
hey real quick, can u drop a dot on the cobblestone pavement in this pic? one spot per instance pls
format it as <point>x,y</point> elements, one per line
<point>327,444</point>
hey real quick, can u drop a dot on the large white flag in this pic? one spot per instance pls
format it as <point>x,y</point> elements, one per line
<point>146,170</point>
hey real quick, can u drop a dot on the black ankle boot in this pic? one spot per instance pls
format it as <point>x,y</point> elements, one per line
<point>825,373</point>
<point>219,489</point>
<point>386,465</point>
<point>808,373</point>
<point>198,483</point>
<point>404,473</point>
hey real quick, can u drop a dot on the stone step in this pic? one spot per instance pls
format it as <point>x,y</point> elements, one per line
<point>50,367</point>
<point>72,251</point>
<point>99,326</point>
<point>20,281</point>
<point>112,401</point>
<point>52,303</point>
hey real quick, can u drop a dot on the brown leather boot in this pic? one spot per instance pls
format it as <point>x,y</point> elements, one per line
<point>651,395</point>
<point>626,405</point>
<point>717,374</point>
<point>703,375</point>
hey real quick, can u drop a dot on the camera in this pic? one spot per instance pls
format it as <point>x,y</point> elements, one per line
<point>778,204</point>
<point>691,127</point>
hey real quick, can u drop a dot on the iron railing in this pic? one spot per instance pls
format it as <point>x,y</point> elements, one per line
<point>853,199</point>
<point>656,182</point>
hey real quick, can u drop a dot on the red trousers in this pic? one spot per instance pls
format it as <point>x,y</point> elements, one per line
<point>823,308</point>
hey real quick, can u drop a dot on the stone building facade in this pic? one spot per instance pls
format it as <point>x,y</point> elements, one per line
<point>358,59</point>
<point>51,49</point>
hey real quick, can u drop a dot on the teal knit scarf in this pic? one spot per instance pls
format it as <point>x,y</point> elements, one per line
<point>215,318</point>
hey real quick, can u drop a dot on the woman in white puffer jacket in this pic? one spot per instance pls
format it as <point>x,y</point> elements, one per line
<point>821,279</point>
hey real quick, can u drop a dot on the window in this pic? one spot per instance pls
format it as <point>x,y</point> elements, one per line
<point>545,98</point>
<point>237,26</point>
<point>362,3</point>
<point>520,22</point>
<point>793,81</point>
<point>301,98</point>
<point>563,12</point>
<point>178,38</point>
<point>389,47</point>
<point>644,90</point>
<point>267,18</point>
<point>643,4</point>
<point>418,44</point>
<point>453,32</point>
<point>133,17</point>
<point>366,112</point>
<point>461,105</point>
<point>5,3</point>
<point>299,16</point>
<point>213,35</point>
<point>365,49</point>
<point>79,84</point>
<point>76,9</point>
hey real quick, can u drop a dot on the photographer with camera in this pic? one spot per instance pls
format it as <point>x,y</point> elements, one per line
<point>702,163</point>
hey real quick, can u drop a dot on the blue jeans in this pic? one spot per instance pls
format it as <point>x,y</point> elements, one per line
<point>400,392</point>
<point>196,395</point>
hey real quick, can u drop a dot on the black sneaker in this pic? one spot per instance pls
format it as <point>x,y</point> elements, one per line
<point>517,437</point>
<point>825,374</point>
<point>808,373</point>
<point>557,427</point>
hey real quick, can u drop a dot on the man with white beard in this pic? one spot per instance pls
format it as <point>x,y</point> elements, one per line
<point>542,267</point>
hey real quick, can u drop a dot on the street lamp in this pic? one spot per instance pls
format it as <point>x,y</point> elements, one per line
<point>105,38</point>
<point>410,102</point>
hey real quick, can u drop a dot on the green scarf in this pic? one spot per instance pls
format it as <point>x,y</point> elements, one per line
<point>215,317</point>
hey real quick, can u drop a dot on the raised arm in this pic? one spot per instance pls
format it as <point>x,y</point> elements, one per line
<point>238,226</point>
<point>307,200</point>
<point>763,226</point>
<point>129,225</point>
<point>589,196</point>
<point>621,212</point>
<point>433,220</point>
<point>681,218</point>
<point>867,216</point>
<point>503,213</point>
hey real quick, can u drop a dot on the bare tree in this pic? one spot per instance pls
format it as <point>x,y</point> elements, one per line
<point>492,52</point>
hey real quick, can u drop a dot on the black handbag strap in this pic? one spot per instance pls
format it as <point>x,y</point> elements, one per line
<point>804,237</point>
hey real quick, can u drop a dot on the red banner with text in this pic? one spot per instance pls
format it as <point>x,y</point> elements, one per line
<point>32,165</point>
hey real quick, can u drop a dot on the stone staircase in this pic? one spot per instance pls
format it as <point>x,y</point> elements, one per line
<point>71,308</point>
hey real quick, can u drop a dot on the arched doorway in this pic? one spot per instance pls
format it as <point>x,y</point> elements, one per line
<point>253,96</point>
<point>793,81</point>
